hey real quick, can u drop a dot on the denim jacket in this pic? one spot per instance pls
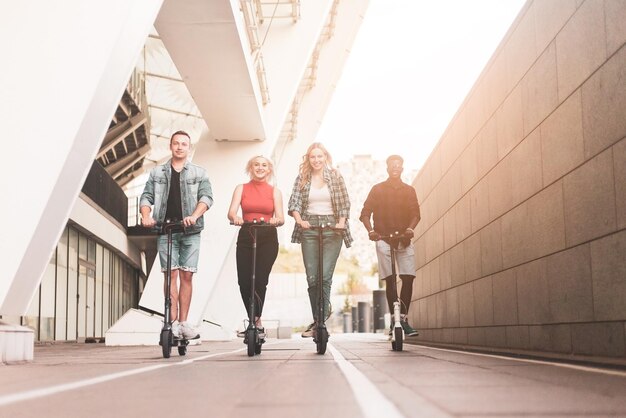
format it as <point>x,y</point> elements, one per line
<point>194,187</point>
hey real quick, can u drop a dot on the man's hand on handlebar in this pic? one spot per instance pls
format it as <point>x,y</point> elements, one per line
<point>409,233</point>
<point>373,235</point>
<point>148,222</point>
<point>189,221</point>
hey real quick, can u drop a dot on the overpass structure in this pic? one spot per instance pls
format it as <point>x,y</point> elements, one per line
<point>522,243</point>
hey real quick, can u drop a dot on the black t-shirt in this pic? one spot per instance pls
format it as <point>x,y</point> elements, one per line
<point>174,210</point>
<point>393,205</point>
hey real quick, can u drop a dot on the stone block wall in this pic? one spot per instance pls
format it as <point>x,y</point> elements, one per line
<point>522,243</point>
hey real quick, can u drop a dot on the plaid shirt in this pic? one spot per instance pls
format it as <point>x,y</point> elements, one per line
<point>299,202</point>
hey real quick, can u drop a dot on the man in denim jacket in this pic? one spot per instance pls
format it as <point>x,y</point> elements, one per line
<point>179,191</point>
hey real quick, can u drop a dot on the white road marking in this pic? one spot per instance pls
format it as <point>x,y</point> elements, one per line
<point>52,390</point>
<point>542,362</point>
<point>371,401</point>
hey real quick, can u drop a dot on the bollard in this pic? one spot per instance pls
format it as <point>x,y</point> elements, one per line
<point>364,316</point>
<point>355,319</point>
<point>380,308</point>
<point>347,322</point>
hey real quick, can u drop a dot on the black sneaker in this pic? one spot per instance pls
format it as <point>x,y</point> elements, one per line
<point>408,331</point>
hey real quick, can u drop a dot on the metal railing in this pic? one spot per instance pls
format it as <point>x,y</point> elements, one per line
<point>106,193</point>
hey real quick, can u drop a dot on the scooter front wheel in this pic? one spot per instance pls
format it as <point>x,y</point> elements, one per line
<point>166,342</point>
<point>397,333</point>
<point>321,340</point>
<point>251,341</point>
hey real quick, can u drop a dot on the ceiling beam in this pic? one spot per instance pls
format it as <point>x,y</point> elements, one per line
<point>120,166</point>
<point>121,131</point>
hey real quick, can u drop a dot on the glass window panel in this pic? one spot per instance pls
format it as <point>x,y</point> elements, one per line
<point>82,301</point>
<point>61,292</point>
<point>46,311</point>
<point>114,288</point>
<point>82,247</point>
<point>119,285</point>
<point>31,319</point>
<point>106,289</point>
<point>72,288</point>
<point>98,303</point>
<point>91,303</point>
<point>127,289</point>
<point>91,251</point>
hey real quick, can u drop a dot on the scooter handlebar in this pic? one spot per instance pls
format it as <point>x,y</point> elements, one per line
<point>256,223</point>
<point>326,226</point>
<point>169,225</point>
<point>392,237</point>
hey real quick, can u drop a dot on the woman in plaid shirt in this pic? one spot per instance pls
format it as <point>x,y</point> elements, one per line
<point>319,197</point>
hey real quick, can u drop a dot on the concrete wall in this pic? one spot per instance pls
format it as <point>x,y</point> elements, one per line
<point>522,243</point>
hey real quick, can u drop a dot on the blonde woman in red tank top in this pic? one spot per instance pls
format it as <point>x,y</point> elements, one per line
<point>257,199</point>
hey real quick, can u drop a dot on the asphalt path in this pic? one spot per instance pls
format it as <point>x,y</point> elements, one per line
<point>359,376</point>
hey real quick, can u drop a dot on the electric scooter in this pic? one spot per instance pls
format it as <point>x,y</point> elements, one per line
<point>321,332</point>
<point>251,337</point>
<point>397,335</point>
<point>167,340</point>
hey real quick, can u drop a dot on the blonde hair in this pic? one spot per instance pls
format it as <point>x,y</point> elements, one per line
<point>305,166</point>
<point>250,167</point>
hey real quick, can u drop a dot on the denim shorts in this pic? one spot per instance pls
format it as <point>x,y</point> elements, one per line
<point>185,251</point>
<point>405,260</point>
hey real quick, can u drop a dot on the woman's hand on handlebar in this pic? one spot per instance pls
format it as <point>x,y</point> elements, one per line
<point>275,222</point>
<point>237,220</point>
<point>304,224</point>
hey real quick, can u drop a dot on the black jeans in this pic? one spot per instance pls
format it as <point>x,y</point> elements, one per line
<point>266,253</point>
<point>405,293</point>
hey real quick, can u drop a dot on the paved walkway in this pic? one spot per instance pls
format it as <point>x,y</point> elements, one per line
<point>359,376</point>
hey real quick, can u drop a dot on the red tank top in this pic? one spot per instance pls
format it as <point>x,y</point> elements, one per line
<point>257,201</point>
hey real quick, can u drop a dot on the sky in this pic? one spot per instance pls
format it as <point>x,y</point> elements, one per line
<point>411,66</point>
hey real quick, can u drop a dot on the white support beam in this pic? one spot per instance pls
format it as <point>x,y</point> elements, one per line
<point>89,51</point>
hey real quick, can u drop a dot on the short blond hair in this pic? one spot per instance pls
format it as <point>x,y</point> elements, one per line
<point>250,164</point>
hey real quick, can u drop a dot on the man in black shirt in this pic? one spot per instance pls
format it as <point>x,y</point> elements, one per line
<point>394,206</point>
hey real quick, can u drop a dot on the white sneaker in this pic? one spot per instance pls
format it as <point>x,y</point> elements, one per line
<point>188,332</point>
<point>176,330</point>
<point>310,331</point>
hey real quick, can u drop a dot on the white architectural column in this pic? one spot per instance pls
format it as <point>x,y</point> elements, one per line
<point>199,36</point>
<point>66,77</point>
